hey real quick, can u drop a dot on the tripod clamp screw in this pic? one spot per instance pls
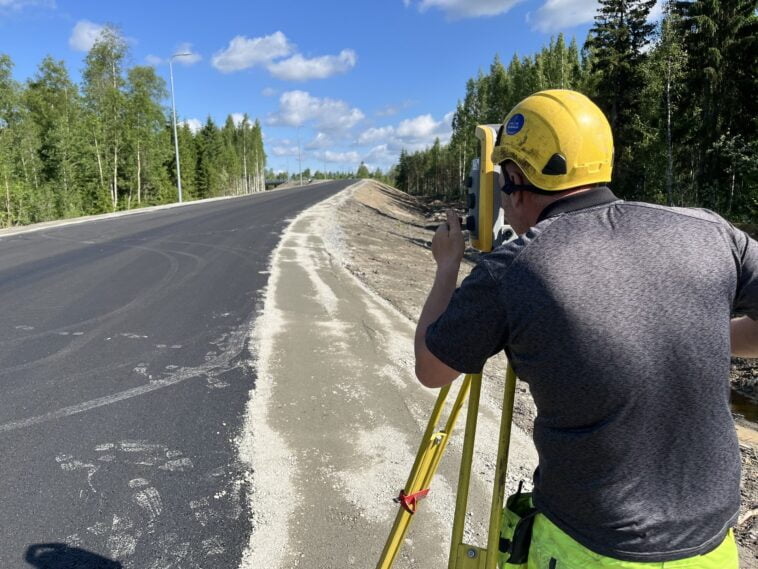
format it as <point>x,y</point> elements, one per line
<point>409,502</point>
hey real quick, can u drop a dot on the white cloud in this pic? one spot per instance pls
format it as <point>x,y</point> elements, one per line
<point>84,35</point>
<point>298,107</point>
<point>382,155</point>
<point>387,111</point>
<point>417,133</point>
<point>237,118</point>
<point>269,92</point>
<point>154,60</point>
<point>245,52</point>
<point>420,127</point>
<point>298,68</point>
<point>559,15</point>
<point>340,157</point>
<point>190,59</point>
<point>376,134</point>
<point>467,8</point>
<point>413,134</point>
<point>16,5</point>
<point>194,125</point>
<point>321,140</point>
<point>283,150</point>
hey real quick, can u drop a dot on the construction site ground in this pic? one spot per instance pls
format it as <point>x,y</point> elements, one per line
<point>389,242</point>
<point>337,414</point>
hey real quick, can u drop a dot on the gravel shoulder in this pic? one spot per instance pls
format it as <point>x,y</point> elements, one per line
<point>387,247</point>
<point>337,415</point>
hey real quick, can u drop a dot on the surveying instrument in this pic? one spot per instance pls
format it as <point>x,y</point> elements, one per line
<point>487,230</point>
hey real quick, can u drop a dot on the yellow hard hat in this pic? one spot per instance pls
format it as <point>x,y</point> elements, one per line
<point>560,140</point>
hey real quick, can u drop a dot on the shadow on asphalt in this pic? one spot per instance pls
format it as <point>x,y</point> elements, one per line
<point>62,556</point>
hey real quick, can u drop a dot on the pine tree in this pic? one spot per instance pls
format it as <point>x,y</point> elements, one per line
<point>188,154</point>
<point>618,41</point>
<point>363,171</point>
<point>210,150</point>
<point>721,39</point>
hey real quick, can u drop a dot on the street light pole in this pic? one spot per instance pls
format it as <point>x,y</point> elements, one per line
<point>176,138</point>
<point>299,161</point>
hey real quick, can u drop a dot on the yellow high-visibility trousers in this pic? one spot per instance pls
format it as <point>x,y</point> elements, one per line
<point>552,548</point>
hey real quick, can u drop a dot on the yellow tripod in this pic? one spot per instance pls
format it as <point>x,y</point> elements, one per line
<point>462,555</point>
<point>483,213</point>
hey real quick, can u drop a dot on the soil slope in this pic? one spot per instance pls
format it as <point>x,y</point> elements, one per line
<point>388,237</point>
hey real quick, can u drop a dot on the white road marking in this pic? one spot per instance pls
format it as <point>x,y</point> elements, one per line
<point>213,546</point>
<point>179,465</point>
<point>234,347</point>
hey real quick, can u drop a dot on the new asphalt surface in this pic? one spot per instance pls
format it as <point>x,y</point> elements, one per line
<point>124,370</point>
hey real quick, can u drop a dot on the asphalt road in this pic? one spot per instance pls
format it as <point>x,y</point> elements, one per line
<point>124,374</point>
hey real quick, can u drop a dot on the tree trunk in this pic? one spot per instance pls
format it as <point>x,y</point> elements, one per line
<point>99,165</point>
<point>7,199</point>
<point>34,170</point>
<point>670,165</point>
<point>115,175</point>
<point>259,181</point>
<point>139,176</point>
<point>23,166</point>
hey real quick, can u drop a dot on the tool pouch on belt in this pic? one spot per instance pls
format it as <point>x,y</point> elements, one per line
<point>516,530</point>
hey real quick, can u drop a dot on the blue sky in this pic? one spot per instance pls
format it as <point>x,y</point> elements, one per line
<point>351,80</point>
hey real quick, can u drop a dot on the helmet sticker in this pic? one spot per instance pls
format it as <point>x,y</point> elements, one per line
<point>515,124</point>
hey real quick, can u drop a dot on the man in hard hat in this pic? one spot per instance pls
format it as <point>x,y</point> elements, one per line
<point>617,315</point>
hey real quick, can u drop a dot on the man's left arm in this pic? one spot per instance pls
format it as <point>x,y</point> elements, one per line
<point>744,330</point>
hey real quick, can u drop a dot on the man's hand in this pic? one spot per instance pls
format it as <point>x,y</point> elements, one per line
<point>448,244</point>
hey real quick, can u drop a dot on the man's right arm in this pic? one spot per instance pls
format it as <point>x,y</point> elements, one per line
<point>744,337</point>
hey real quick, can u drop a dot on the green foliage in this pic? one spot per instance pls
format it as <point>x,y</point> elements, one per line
<point>619,39</point>
<point>68,150</point>
<point>442,170</point>
<point>680,98</point>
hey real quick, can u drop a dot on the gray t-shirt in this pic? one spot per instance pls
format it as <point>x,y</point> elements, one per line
<point>617,316</point>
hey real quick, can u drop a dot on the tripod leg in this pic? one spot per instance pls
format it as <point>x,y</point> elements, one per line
<point>429,454</point>
<point>457,546</point>
<point>464,556</point>
<point>501,469</point>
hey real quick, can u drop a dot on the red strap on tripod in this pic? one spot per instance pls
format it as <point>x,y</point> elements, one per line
<point>410,501</point>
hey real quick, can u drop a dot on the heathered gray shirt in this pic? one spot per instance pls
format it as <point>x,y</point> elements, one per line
<point>617,316</point>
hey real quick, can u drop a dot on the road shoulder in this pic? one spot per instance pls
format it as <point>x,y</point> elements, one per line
<point>337,415</point>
